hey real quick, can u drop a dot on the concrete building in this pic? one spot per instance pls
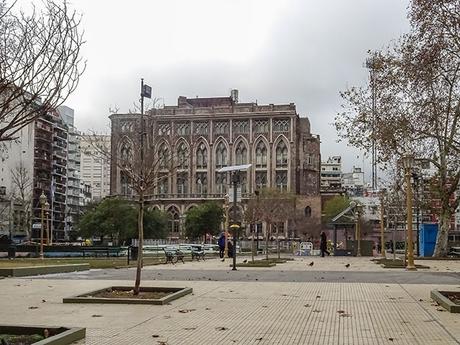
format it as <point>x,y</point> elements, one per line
<point>95,169</point>
<point>353,182</point>
<point>210,133</point>
<point>331,175</point>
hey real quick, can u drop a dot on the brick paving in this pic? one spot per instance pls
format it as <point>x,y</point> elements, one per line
<point>227,312</point>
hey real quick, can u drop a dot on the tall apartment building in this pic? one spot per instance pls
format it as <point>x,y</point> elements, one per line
<point>331,175</point>
<point>353,182</point>
<point>95,169</point>
<point>73,195</point>
<point>210,133</point>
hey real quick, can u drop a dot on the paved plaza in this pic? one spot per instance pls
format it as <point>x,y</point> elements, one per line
<point>263,311</point>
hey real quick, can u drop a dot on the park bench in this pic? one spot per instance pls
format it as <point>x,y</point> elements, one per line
<point>173,255</point>
<point>198,254</point>
<point>455,251</point>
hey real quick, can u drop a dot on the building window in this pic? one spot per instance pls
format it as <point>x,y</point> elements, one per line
<point>221,155</point>
<point>307,211</point>
<point>201,183</point>
<point>182,184</point>
<point>221,127</point>
<point>281,155</point>
<point>281,125</point>
<point>261,179</point>
<point>201,157</point>
<point>261,126</point>
<point>124,182</point>
<point>183,128</point>
<point>164,128</point>
<point>163,185</point>
<point>126,154</point>
<point>182,156</point>
<point>221,183</point>
<point>281,180</point>
<point>244,182</point>
<point>241,127</point>
<point>200,128</point>
<point>163,156</point>
<point>174,220</point>
<point>261,155</point>
<point>241,154</point>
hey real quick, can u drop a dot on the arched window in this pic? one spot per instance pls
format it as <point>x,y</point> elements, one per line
<point>126,154</point>
<point>163,156</point>
<point>202,157</point>
<point>221,155</point>
<point>281,155</point>
<point>241,154</point>
<point>174,220</point>
<point>124,183</point>
<point>182,184</point>
<point>221,183</point>
<point>182,156</point>
<point>261,155</point>
<point>281,180</point>
<point>201,183</point>
<point>307,211</point>
<point>163,184</point>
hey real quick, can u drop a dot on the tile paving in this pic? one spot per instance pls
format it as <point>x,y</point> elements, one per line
<point>242,312</point>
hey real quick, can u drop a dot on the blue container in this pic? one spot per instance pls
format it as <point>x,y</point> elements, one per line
<point>427,238</point>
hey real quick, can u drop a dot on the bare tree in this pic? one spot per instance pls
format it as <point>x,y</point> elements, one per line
<point>40,62</point>
<point>143,164</point>
<point>417,92</point>
<point>21,182</point>
<point>272,207</point>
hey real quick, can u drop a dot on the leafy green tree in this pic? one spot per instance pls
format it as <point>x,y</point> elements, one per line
<point>155,224</point>
<point>333,207</point>
<point>203,219</point>
<point>114,218</point>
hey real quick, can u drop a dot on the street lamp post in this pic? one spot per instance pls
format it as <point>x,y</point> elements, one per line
<point>408,161</point>
<point>47,212</point>
<point>43,201</point>
<point>359,209</point>
<point>382,223</point>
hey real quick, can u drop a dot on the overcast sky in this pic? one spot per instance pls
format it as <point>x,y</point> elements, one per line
<point>272,51</point>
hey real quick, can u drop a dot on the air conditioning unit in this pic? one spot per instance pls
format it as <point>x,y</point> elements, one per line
<point>2,190</point>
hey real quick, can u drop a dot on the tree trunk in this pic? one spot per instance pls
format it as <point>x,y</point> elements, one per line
<point>140,224</point>
<point>267,233</point>
<point>443,232</point>
<point>252,244</point>
<point>278,243</point>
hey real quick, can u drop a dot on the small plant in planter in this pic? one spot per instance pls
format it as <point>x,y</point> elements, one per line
<point>39,335</point>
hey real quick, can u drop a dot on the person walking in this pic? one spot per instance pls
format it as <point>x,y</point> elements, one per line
<point>323,244</point>
<point>221,243</point>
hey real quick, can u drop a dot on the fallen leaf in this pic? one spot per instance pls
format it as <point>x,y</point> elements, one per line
<point>317,311</point>
<point>318,296</point>
<point>390,339</point>
<point>345,315</point>
<point>340,311</point>
<point>440,309</point>
<point>43,300</point>
<point>155,336</point>
<point>221,328</point>
<point>190,328</point>
<point>33,307</point>
<point>96,315</point>
<point>264,306</point>
<point>207,308</point>
<point>186,310</point>
<point>307,305</point>
<point>259,339</point>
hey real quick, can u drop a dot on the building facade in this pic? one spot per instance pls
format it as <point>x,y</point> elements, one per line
<point>206,134</point>
<point>95,169</point>
<point>331,175</point>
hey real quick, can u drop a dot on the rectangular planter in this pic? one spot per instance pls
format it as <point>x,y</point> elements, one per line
<point>175,294</point>
<point>446,303</point>
<point>58,335</point>
<point>40,270</point>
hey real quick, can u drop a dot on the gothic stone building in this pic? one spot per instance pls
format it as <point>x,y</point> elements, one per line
<point>207,134</point>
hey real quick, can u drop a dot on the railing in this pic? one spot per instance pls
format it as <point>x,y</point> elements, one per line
<point>189,196</point>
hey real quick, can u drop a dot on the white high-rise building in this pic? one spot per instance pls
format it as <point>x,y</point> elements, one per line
<point>95,169</point>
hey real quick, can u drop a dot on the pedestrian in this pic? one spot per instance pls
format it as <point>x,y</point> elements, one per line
<point>230,249</point>
<point>221,243</point>
<point>323,244</point>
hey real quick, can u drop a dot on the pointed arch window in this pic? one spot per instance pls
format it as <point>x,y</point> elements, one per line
<point>174,220</point>
<point>182,156</point>
<point>126,154</point>
<point>221,155</point>
<point>182,184</point>
<point>221,183</point>
<point>281,155</point>
<point>202,157</point>
<point>124,183</point>
<point>281,180</point>
<point>261,155</point>
<point>201,183</point>
<point>241,154</point>
<point>163,156</point>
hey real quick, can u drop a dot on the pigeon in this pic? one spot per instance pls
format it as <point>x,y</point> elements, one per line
<point>347,265</point>
<point>311,263</point>
<point>244,261</point>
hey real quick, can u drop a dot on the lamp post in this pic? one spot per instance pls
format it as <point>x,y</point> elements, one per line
<point>43,200</point>
<point>408,161</point>
<point>359,210</point>
<point>382,223</point>
<point>47,212</point>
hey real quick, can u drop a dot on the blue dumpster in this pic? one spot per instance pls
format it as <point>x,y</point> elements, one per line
<point>427,238</point>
